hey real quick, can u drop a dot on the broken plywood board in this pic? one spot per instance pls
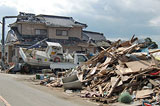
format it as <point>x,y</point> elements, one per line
<point>123,78</point>
<point>144,94</point>
<point>124,71</point>
<point>137,66</point>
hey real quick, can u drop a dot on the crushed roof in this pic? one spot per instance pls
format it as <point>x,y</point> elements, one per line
<point>50,20</point>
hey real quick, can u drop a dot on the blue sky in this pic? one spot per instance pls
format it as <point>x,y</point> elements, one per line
<point>115,18</point>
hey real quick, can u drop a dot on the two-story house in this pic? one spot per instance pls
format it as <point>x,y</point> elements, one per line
<point>32,28</point>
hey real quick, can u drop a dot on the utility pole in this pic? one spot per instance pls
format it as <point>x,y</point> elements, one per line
<point>3,43</point>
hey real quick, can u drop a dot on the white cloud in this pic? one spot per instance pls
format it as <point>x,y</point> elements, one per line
<point>50,6</point>
<point>105,18</point>
<point>155,21</point>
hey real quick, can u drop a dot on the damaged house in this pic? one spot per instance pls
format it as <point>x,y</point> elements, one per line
<point>64,30</point>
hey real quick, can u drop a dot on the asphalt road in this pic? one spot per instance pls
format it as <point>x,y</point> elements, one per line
<point>17,93</point>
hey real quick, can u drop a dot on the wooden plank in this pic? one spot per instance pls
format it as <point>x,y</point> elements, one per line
<point>107,85</point>
<point>129,49</point>
<point>100,90</point>
<point>153,82</point>
<point>108,59</point>
<point>113,81</point>
<point>6,103</point>
<point>154,51</point>
<point>113,86</point>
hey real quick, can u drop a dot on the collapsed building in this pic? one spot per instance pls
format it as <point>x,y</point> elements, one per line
<point>32,28</point>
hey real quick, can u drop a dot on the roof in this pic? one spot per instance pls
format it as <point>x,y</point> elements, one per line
<point>96,36</point>
<point>54,44</point>
<point>103,44</point>
<point>50,20</point>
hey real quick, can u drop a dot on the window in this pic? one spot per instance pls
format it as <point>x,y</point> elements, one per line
<point>81,58</point>
<point>61,32</point>
<point>41,32</point>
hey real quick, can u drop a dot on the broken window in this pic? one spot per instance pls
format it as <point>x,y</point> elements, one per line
<point>61,32</point>
<point>41,32</point>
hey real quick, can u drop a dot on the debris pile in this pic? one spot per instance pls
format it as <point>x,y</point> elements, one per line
<point>122,67</point>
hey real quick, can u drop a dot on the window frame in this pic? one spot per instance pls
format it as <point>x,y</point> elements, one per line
<point>61,32</point>
<point>41,33</point>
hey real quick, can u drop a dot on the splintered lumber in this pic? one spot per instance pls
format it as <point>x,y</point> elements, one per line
<point>113,80</point>
<point>154,51</point>
<point>100,89</point>
<point>100,81</point>
<point>10,68</point>
<point>101,54</point>
<point>117,69</point>
<point>108,59</point>
<point>129,49</point>
<point>106,86</point>
<point>113,87</point>
<point>93,70</point>
<point>102,72</point>
<point>129,43</point>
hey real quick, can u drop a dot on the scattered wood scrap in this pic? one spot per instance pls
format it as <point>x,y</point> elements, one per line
<point>117,69</point>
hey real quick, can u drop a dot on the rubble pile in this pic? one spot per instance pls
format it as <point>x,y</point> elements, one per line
<point>122,67</point>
